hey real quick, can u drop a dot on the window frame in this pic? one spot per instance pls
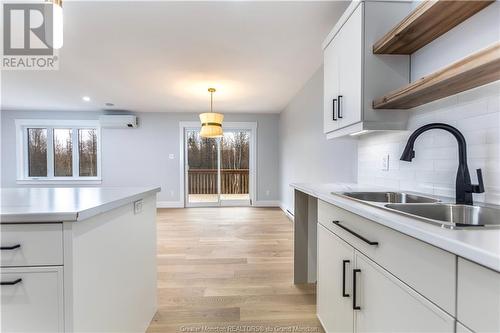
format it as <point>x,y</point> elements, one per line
<point>22,126</point>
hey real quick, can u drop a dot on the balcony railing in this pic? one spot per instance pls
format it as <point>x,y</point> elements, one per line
<point>204,181</point>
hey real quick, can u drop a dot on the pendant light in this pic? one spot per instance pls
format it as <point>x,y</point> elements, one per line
<point>57,24</point>
<point>211,122</point>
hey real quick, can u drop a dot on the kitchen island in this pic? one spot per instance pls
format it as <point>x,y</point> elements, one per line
<point>378,270</point>
<point>78,259</point>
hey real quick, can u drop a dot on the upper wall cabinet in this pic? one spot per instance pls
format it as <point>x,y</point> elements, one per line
<point>354,76</point>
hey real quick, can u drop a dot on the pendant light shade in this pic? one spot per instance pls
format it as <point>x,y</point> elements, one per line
<point>211,122</point>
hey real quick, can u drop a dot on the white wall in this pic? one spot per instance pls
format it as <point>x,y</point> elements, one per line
<point>139,157</point>
<point>476,113</point>
<point>305,154</point>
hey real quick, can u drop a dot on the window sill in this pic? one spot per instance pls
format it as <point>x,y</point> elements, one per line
<point>59,181</point>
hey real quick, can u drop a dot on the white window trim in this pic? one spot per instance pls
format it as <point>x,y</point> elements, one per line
<point>22,153</point>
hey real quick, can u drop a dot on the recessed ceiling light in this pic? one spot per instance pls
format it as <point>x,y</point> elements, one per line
<point>86,98</point>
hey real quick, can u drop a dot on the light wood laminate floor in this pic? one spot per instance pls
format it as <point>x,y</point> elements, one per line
<point>229,270</point>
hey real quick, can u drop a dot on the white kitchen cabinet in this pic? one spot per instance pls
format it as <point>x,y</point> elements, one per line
<point>354,76</point>
<point>355,294</point>
<point>33,299</point>
<point>31,244</point>
<point>350,64</point>
<point>334,289</point>
<point>331,87</point>
<point>478,297</point>
<point>427,269</point>
<point>386,304</point>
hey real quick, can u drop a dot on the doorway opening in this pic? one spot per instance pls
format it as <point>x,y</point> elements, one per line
<point>219,171</point>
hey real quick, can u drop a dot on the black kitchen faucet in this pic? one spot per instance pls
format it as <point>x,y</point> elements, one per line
<point>464,188</point>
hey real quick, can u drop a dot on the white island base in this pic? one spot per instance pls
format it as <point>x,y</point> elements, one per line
<point>93,275</point>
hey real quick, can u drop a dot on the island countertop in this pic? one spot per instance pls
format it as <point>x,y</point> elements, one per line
<point>478,245</point>
<point>31,205</point>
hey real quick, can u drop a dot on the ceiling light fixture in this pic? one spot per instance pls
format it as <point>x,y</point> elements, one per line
<point>211,122</point>
<point>86,98</point>
<point>57,23</point>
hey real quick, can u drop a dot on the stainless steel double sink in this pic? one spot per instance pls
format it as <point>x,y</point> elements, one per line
<point>431,210</point>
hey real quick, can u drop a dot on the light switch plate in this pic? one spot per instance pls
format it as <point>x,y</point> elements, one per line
<point>137,206</point>
<point>171,156</point>
<point>385,162</point>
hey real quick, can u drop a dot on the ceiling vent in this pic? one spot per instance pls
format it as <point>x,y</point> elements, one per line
<point>118,121</point>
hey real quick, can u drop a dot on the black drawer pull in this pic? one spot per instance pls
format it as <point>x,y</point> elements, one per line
<point>339,107</point>
<point>344,262</point>
<point>355,234</point>
<point>10,283</point>
<point>334,101</point>
<point>13,247</point>
<point>354,306</point>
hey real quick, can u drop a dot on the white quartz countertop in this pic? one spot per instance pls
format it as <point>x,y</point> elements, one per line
<point>23,205</point>
<point>479,245</point>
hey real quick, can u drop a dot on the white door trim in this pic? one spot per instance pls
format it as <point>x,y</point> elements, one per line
<point>251,126</point>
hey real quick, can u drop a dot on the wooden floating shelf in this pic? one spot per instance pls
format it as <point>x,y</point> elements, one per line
<point>473,71</point>
<point>427,22</point>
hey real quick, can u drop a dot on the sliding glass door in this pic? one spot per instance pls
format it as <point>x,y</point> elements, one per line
<point>217,171</point>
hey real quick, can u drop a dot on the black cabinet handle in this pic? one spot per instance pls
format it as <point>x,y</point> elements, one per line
<point>13,247</point>
<point>355,234</point>
<point>340,106</point>
<point>344,262</point>
<point>354,306</point>
<point>334,101</point>
<point>10,283</point>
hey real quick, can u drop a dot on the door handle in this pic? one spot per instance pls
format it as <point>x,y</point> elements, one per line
<point>354,305</point>
<point>334,101</point>
<point>13,247</point>
<point>369,242</point>
<point>339,107</point>
<point>344,262</point>
<point>10,283</point>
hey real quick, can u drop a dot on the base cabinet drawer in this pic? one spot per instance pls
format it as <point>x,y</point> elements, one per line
<point>478,297</point>
<point>385,304</point>
<point>426,268</point>
<point>33,299</point>
<point>31,244</point>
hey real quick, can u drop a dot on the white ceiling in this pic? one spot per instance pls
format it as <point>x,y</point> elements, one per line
<point>162,56</point>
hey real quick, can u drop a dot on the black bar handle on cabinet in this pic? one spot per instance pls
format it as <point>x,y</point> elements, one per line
<point>334,101</point>
<point>354,306</point>
<point>344,262</point>
<point>339,107</point>
<point>13,247</point>
<point>355,234</point>
<point>10,283</point>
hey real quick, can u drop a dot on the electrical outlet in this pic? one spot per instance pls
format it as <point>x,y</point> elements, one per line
<point>385,162</point>
<point>268,192</point>
<point>171,156</point>
<point>171,193</point>
<point>138,206</point>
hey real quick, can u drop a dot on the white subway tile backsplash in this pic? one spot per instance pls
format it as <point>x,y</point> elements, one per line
<point>475,113</point>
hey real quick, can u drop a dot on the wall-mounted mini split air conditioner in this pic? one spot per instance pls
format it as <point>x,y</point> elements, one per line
<point>118,121</point>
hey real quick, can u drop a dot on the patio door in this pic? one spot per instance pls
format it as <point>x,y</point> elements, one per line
<point>217,171</point>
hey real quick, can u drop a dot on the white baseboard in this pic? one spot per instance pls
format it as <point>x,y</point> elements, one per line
<point>266,203</point>
<point>170,204</point>
<point>287,213</point>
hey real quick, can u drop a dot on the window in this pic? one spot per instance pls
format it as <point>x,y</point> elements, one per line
<point>58,151</point>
